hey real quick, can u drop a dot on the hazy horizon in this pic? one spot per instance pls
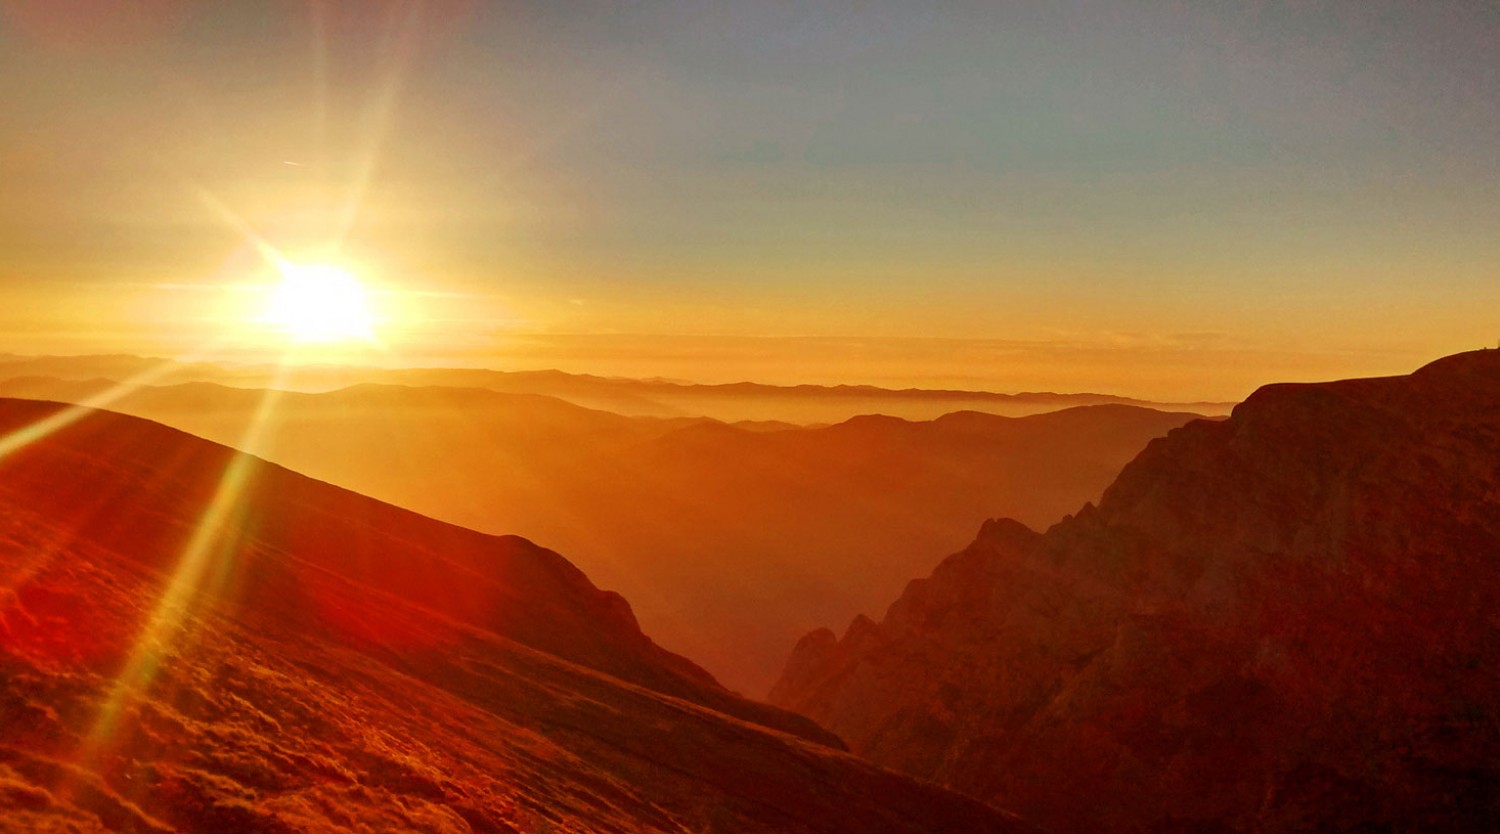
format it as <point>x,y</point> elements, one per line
<point>1225,374</point>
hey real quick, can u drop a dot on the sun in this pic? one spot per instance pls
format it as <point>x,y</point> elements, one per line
<point>321,303</point>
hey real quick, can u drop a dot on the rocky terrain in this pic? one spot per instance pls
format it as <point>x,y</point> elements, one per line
<point>194,640</point>
<point>1286,621</point>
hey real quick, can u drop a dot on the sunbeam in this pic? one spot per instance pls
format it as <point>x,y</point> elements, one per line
<point>401,47</point>
<point>234,220</point>
<point>194,577</point>
<point>26,435</point>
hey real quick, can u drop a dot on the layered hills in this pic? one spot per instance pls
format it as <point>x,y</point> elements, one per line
<point>730,541</point>
<point>192,639</point>
<point>730,402</point>
<point>1285,621</point>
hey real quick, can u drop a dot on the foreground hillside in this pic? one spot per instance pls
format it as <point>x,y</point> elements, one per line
<point>1281,622</point>
<point>194,640</point>
<point>729,542</point>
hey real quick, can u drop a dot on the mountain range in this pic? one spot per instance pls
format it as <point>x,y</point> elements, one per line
<point>728,402</point>
<point>192,639</point>
<point>1281,621</point>
<point>730,541</point>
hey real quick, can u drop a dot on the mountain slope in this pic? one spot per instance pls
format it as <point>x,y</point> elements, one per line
<point>1284,621</point>
<point>728,542</point>
<point>318,661</point>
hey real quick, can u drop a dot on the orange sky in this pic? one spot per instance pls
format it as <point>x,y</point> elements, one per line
<point>1156,201</point>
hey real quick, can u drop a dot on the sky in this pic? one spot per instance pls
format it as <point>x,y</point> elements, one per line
<point>1165,199</point>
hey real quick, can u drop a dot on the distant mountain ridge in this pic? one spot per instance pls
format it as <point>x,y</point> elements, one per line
<point>1280,622</point>
<point>730,402</point>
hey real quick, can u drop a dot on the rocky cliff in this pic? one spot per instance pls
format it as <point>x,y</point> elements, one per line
<point>1283,621</point>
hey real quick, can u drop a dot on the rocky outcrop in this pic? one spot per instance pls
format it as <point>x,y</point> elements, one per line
<point>1283,621</point>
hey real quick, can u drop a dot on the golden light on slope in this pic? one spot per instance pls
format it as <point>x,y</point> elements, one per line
<point>321,303</point>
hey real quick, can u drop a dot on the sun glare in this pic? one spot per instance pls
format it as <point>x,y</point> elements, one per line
<point>321,303</point>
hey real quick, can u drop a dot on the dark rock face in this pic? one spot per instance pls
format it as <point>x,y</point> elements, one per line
<point>1285,621</point>
<point>194,640</point>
